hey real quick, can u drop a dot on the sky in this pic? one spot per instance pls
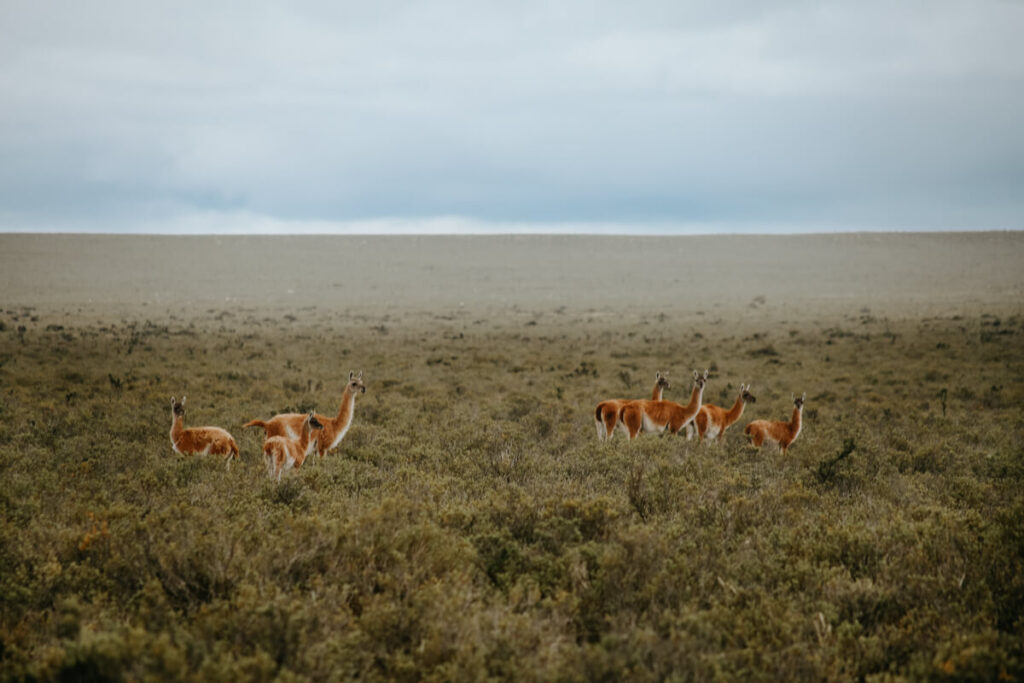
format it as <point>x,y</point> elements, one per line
<point>452,117</point>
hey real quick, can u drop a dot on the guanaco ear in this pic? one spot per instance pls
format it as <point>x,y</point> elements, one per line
<point>351,375</point>
<point>360,375</point>
<point>705,373</point>
<point>173,401</point>
<point>804,397</point>
<point>695,375</point>
<point>183,401</point>
<point>657,375</point>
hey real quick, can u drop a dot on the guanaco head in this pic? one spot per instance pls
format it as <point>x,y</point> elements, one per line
<point>355,382</point>
<point>313,422</point>
<point>662,381</point>
<point>799,402</point>
<point>700,380</point>
<point>746,395</point>
<point>178,409</point>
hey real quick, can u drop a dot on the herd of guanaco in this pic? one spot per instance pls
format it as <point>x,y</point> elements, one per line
<point>706,420</point>
<point>290,437</point>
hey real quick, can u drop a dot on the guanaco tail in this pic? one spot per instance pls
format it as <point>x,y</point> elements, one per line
<point>712,421</point>
<point>199,440</point>
<point>606,415</point>
<point>282,453</point>
<point>334,428</point>
<point>659,416</point>
<point>781,433</point>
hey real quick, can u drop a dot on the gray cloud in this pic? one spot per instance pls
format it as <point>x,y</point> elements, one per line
<point>812,115</point>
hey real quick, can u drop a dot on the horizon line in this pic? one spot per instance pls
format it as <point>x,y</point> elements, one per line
<point>248,223</point>
<point>511,233</point>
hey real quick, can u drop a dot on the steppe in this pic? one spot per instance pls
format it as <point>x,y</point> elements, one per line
<point>471,525</point>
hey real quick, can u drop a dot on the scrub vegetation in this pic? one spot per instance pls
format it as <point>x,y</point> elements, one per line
<point>471,525</point>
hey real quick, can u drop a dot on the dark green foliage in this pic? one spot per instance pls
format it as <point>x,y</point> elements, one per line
<point>827,469</point>
<point>471,526</point>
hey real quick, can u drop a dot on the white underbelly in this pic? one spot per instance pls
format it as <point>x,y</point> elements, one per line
<point>651,426</point>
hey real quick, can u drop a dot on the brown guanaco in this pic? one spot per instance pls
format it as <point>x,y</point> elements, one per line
<point>199,440</point>
<point>712,421</point>
<point>282,453</point>
<point>782,433</point>
<point>606,415</point>
<point>334,428</point>
<point>659,416</point>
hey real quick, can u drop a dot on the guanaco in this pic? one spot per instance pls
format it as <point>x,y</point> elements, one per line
<point>282,453</point>
<point>606,415</point>
<point>782,433</point>
<point>334,428</point>
<point>199,440</point>
<point>712,421</point>
<point>657,416</point>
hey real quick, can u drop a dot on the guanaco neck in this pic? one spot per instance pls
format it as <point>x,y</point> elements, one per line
<point>736,411</point>
<point>348,400</point>
<point>694,405</point>
<point>658,391</point>
<point>794,424</point>
<point>307,432</point>
<point>177,427</point>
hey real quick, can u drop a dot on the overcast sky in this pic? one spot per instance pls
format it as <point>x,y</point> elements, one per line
<point>651,116</point>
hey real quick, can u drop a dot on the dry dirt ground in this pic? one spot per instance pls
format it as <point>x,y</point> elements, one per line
<point>742,276</point>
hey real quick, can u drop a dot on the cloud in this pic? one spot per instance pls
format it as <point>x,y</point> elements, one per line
<point>839,114</point>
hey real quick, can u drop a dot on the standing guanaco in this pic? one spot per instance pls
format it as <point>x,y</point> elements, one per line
<point>657,416</point>
<point>782,433</point>
<point>282,453</point>
<point>334,428</point>
<point>606,415</point>
<point>712,421</point>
